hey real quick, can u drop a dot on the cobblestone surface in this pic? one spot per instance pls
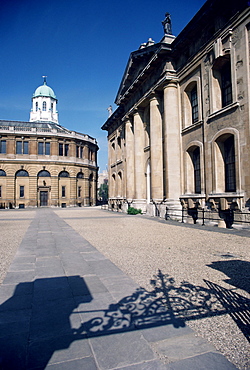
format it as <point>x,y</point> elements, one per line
<point>140,247</point>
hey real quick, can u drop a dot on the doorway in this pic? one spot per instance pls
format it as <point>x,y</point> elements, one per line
<point>43,198</point>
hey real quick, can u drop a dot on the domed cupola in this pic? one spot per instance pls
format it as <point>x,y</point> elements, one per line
<point>44,104</point>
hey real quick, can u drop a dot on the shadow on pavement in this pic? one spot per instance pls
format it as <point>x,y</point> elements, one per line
<point>43,319</point>
<point>238,272</point>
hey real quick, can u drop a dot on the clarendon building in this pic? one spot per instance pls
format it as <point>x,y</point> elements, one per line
<point>43,163</point>
<point>180,134</point>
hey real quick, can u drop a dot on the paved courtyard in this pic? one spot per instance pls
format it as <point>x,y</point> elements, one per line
<point>89,289</point>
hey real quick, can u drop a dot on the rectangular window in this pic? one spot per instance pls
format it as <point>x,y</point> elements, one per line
<point>81,152</point>
<point>43,148</point>
<point>40,148</point>
<point>79,191</point>
<point>194,104</point>
<point>21,192</point>
<point>63,191</point>
<point>230,177</point>
<point>47,148</point>
<point>77,151</point>
<point>25,147</point>
<point>22,147</point>
<point>0,191</point>
<point>60,149</point>
<point>226,85</point>
<point>63,149</point>
<point>19,147</point>
<point>66,149</point>
<point>3,146</point>
<point>197,171</point>
<point>90,154</point>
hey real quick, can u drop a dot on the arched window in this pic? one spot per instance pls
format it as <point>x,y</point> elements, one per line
<point>191,104</point>
<point>222,83</point>
<point>225,164</point>
<point>226,85</point>
<point>197,170</point>
<point>22,173</point>
<point>80,175</point>
<point>119,185</point>
<point>2,173</point>
<point>193,170</point>
<point>194,104</point>
<point>113,154</point>
<point>63,174</point>
<point>43,173</point>
<point>44,106</point>
<point>229,158</point>
<point>113,186</point>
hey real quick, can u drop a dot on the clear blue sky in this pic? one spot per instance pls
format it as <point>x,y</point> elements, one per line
<point>83,47</point>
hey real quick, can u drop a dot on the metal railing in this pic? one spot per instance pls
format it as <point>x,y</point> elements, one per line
<point>204,216</point>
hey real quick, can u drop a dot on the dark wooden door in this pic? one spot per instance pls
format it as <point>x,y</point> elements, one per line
<point>43,198</point>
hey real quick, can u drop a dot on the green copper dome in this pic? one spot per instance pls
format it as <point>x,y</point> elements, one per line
<point>44,90</point>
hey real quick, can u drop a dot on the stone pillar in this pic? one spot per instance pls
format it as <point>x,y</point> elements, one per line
<point>130,152</point>
<point>55,191</point>
<point>33,193</point>
<point>73,191</point>
<point>140,186</point>
<point>54,147</point>
<point>156,157</point>
<point>172,142</point>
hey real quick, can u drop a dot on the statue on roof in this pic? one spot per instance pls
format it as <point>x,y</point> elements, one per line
<point>110,110</point>
<point>167,24</point>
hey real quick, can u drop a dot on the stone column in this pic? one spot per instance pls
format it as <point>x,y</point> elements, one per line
<point>156,155</point>
<point>140,185</point>
<point>130,152</point>
<point>172,142</point>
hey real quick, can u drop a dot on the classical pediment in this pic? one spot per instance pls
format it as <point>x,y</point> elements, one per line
<point>139,65</point>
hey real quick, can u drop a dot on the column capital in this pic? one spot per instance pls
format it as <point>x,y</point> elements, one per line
<point>171,83</point>
<point>154,96</point>
<point>126,119</point>
<point>138,110</point>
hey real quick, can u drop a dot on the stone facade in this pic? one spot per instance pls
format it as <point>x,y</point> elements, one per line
<point>180,135</point>
<point>44,164</point>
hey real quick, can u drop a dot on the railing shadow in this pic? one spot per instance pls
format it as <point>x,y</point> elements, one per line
<point>55,318</point>
<point>236,306</point>
<point>168,304</point>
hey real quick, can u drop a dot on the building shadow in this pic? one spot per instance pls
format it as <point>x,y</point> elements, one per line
<point>48,316</point>
<point>238,272</point>
<point>37,321</point>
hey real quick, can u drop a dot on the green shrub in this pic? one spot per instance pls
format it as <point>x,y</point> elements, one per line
<point>134,211</point>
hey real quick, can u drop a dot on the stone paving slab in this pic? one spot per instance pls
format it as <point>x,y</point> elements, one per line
<point>63,305</point>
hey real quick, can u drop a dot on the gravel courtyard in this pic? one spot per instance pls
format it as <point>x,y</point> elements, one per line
<point>141,246</point>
